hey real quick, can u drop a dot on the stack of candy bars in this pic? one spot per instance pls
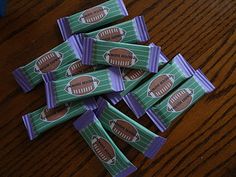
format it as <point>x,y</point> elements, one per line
<point>91,67</point>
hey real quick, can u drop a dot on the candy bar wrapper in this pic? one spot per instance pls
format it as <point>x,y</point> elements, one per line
<point>83,86</point>
<point>170,76</point>
<point>2,7</point>
<point>30,75</point>
<point>120,54</point>
<point>70,70</point>
<point>132,77</point>
<point>102,145</point>
<point>128,130</point>
<point>132,31</point>
<point>44,119</point>
<point>92,18</point>
<point>165,112</point>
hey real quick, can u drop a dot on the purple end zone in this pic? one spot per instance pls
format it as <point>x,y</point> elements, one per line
<point>90,103</point>
<point>184,65</point>
<point>76,43</point>
<point>47,77</point>
<point>22,80</point>
<point>142,28</point>
<point>134,105</point>
<point>163,58</point>
<point>127,171</point>
<point>50,95</point>
<point>155,119</point>
<point>87,51</point>
<point>155,146</point>
<point>117,82</point>
<point>29,127</point>
<point>203,81</point>
<point>154,56</point>
<point>64,26</point>
<point>114,97</point>
<point>84,120</point>
<point>122,7</point>
<point>102,104</point>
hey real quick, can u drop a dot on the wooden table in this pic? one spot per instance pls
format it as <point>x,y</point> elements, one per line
<point>200,143</point>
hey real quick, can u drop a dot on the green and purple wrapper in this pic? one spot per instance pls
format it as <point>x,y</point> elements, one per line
<point>30,75</point>
<point>103,146</point>
<point>44,119</point>
<point>128,130</point>
<point>153,90</point>
<point>132,31</point>
<point>97,52</point>
<point>92,18</point>
<point>83,86</point>
<point>171,107</point>
<point>133,77</point>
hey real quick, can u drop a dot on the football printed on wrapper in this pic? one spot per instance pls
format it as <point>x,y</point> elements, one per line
<point>48,62</point>
<point>124,130</point>
<point>82,85</point>
<point>113,34</point>
<point>103,149</point>
<point>161,85</point>
<point>120,57</point>
<point>94,15</point>
<point>78,68</point>
<point>180,100</point>
<point>132,74</point>
<point>50,115</point>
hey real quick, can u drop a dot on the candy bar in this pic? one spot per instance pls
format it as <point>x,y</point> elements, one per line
<point>83,86</point>
<point>132,31</point>
<point>103,146</point>
<point>165,112</point>
<point>70,70</point>
<point>170,76</point>
<point>128,130</point>
<point>30,75</point>
<point>97,52</point>
<point>92,18</point>
<point>132,77</point>
<point>44,119</point>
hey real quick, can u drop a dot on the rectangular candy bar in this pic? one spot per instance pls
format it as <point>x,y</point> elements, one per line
<point>169,77</point>
<point>30,75</point>
<point>132,77</point>
<point>120,54</point>
<point>132,31</point>
<point>185,96</point>
<point>70,70</point>
<point>83,86</point>
<point>103,146</point>
<point>44,119</point>
<point>128,130</point>
<point>92,18</point>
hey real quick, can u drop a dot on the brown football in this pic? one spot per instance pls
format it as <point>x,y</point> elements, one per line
<point>161,85</point>
<point>93,15</point>
<point>180,100</point>
<point>54,114</point>
<point>132,74</point>
<point>82,85</point>
<point>114,34</point>
<point>48,62</point>
<point>78,68</point>
<point>124,130</point>
<point>103,149</point>
<point>120,57</point>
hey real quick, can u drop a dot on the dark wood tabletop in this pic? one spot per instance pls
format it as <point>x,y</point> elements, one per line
<point>201,143</point>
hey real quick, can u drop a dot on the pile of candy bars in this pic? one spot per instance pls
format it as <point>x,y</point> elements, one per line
<point>108,63</point>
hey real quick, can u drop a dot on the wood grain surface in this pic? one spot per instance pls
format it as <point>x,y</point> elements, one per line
<point>200,143</point>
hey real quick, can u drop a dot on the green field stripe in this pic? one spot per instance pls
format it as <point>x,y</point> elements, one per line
<point>104,46</point>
